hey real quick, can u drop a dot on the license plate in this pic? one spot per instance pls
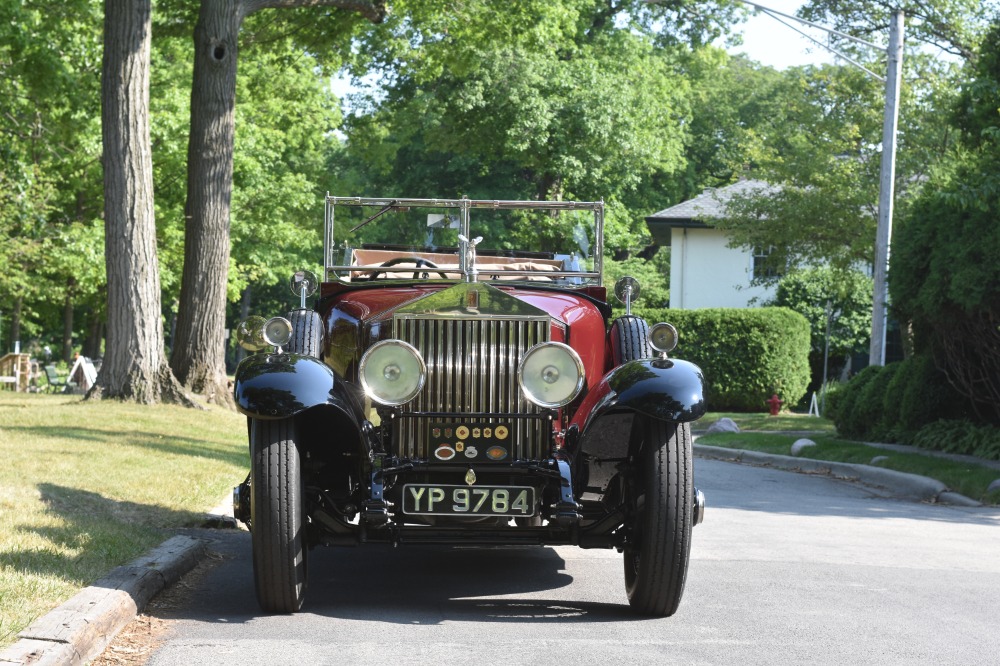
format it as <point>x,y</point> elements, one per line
<point>430,500</point>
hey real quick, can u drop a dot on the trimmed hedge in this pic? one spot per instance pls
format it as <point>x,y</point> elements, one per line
<point>906,402</point>
<point>747,355</point>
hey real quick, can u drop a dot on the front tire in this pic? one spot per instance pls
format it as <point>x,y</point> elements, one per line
<point>661,495</point>
<point>276,514</point>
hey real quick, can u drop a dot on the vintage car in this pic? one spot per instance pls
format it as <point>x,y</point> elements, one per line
<point>438,392</point>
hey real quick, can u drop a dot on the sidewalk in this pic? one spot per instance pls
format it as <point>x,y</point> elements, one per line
<point>909,486</point>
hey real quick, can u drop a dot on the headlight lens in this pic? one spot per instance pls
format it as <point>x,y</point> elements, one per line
<point>392,372</point>
<point>551,374</point>
<point>250,333</point>
<point>663,337</point>
<point>277,331</point>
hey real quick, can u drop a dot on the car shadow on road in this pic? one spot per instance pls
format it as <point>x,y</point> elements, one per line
<point>434,584</point>
<point>408,585</point>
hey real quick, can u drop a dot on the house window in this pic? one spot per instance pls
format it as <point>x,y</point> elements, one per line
<point>766,263</point>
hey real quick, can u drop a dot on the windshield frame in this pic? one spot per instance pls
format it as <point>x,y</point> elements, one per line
<point>336,271</point>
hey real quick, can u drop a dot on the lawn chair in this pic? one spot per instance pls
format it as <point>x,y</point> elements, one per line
<point>56,382</point>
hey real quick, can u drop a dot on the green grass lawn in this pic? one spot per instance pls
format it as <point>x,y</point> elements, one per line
<point>785,421</point>
<point>86,487</point>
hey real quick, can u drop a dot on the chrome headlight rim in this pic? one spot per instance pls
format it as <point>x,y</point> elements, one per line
<point>662,337</point>
<point>250,333</point>
<point>571,355</point>
<point>277,331</point>
<point>373,391</point>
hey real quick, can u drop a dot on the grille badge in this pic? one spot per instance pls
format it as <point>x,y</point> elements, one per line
<point>470,476</point>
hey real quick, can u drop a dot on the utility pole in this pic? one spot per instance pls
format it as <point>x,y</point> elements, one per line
<point>883,234</point>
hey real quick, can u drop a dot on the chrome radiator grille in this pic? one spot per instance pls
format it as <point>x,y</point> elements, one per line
<point>472,367</point>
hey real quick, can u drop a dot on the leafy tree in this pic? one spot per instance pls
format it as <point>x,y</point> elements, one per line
<point>822,153</point>
<point>573,100</point>
<point>955,27</point>
<point>824,295</point>
<point>49,164</point>
<point>944,277</point>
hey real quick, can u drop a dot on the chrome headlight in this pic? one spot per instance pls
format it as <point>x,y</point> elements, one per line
<point>277,331</point>
<point>250,333</point>
<point>662,337</point>
<point>392,372</point>
<point>551,374</point>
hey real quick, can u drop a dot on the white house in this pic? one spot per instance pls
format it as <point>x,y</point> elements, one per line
<point>704,271</point>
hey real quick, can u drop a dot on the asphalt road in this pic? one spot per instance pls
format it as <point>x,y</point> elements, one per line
<point>787,568</point>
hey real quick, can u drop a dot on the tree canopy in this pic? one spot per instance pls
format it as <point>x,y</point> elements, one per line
<point>945,276</point>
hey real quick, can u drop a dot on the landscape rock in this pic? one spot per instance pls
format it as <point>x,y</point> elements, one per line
<point>993,486</point>
<point>800,445</point>
<point>723,425</point>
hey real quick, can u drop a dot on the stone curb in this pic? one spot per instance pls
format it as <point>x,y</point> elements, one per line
<point>908,486</point>
<point>80,629</point>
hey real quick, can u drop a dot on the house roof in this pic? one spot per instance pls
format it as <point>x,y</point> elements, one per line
<point>691,214</point>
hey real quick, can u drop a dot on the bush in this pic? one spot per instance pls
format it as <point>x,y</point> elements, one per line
<point>960,437</point>
<point>834,393</point>
<point>848,421</point>
<point>868,413</point>
<point>892,401</point>
<point>747,354</point>
<point>926,397</point>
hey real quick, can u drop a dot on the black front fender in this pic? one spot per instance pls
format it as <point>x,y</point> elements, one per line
<point>277,386</point>
<point>664,389</point>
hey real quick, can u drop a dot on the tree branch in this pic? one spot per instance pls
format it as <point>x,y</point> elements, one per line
<point>375,10</point>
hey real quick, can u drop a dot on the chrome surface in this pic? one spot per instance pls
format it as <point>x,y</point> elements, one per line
<point>699,507</point>
<point>627,289</point>
<point>333,269</point>
<point>471,369</point>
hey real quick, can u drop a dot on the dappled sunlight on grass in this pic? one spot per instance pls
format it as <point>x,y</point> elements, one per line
<point>88,486</point>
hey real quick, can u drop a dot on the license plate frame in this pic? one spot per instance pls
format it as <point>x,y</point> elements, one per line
<point>478,501</point>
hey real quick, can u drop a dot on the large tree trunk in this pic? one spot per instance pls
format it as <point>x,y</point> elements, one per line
<point>135,366</point>
<point>198,356</point>
<point>199,347</point>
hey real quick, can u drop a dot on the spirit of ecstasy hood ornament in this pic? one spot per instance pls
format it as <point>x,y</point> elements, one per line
<point>467,257</point>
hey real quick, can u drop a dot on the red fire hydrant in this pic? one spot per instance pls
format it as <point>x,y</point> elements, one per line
<point>774,402</point>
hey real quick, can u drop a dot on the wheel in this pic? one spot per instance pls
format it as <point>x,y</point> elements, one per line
<point>661,499</point>
<point>307,333</point>
<point>419,262</point>
<point>276,513</point>
<point>629,339</point>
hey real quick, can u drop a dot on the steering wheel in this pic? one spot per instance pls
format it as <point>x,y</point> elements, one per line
<point>419,261</point>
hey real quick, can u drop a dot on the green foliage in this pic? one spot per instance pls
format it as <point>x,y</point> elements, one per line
<point>50,190</point>
<point>819,147</point>
<point>747,355</point>
<point>906,374</point>
<point>892,403</point>
<point>867,418</point>
<point>849,296</point>
<point>945,277</point>
<point>571,100</point>
<point>653,277</point>
<point>846,400</point>
<point>954,26</point>
<point>960,436</point>
<point>926,398</point>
